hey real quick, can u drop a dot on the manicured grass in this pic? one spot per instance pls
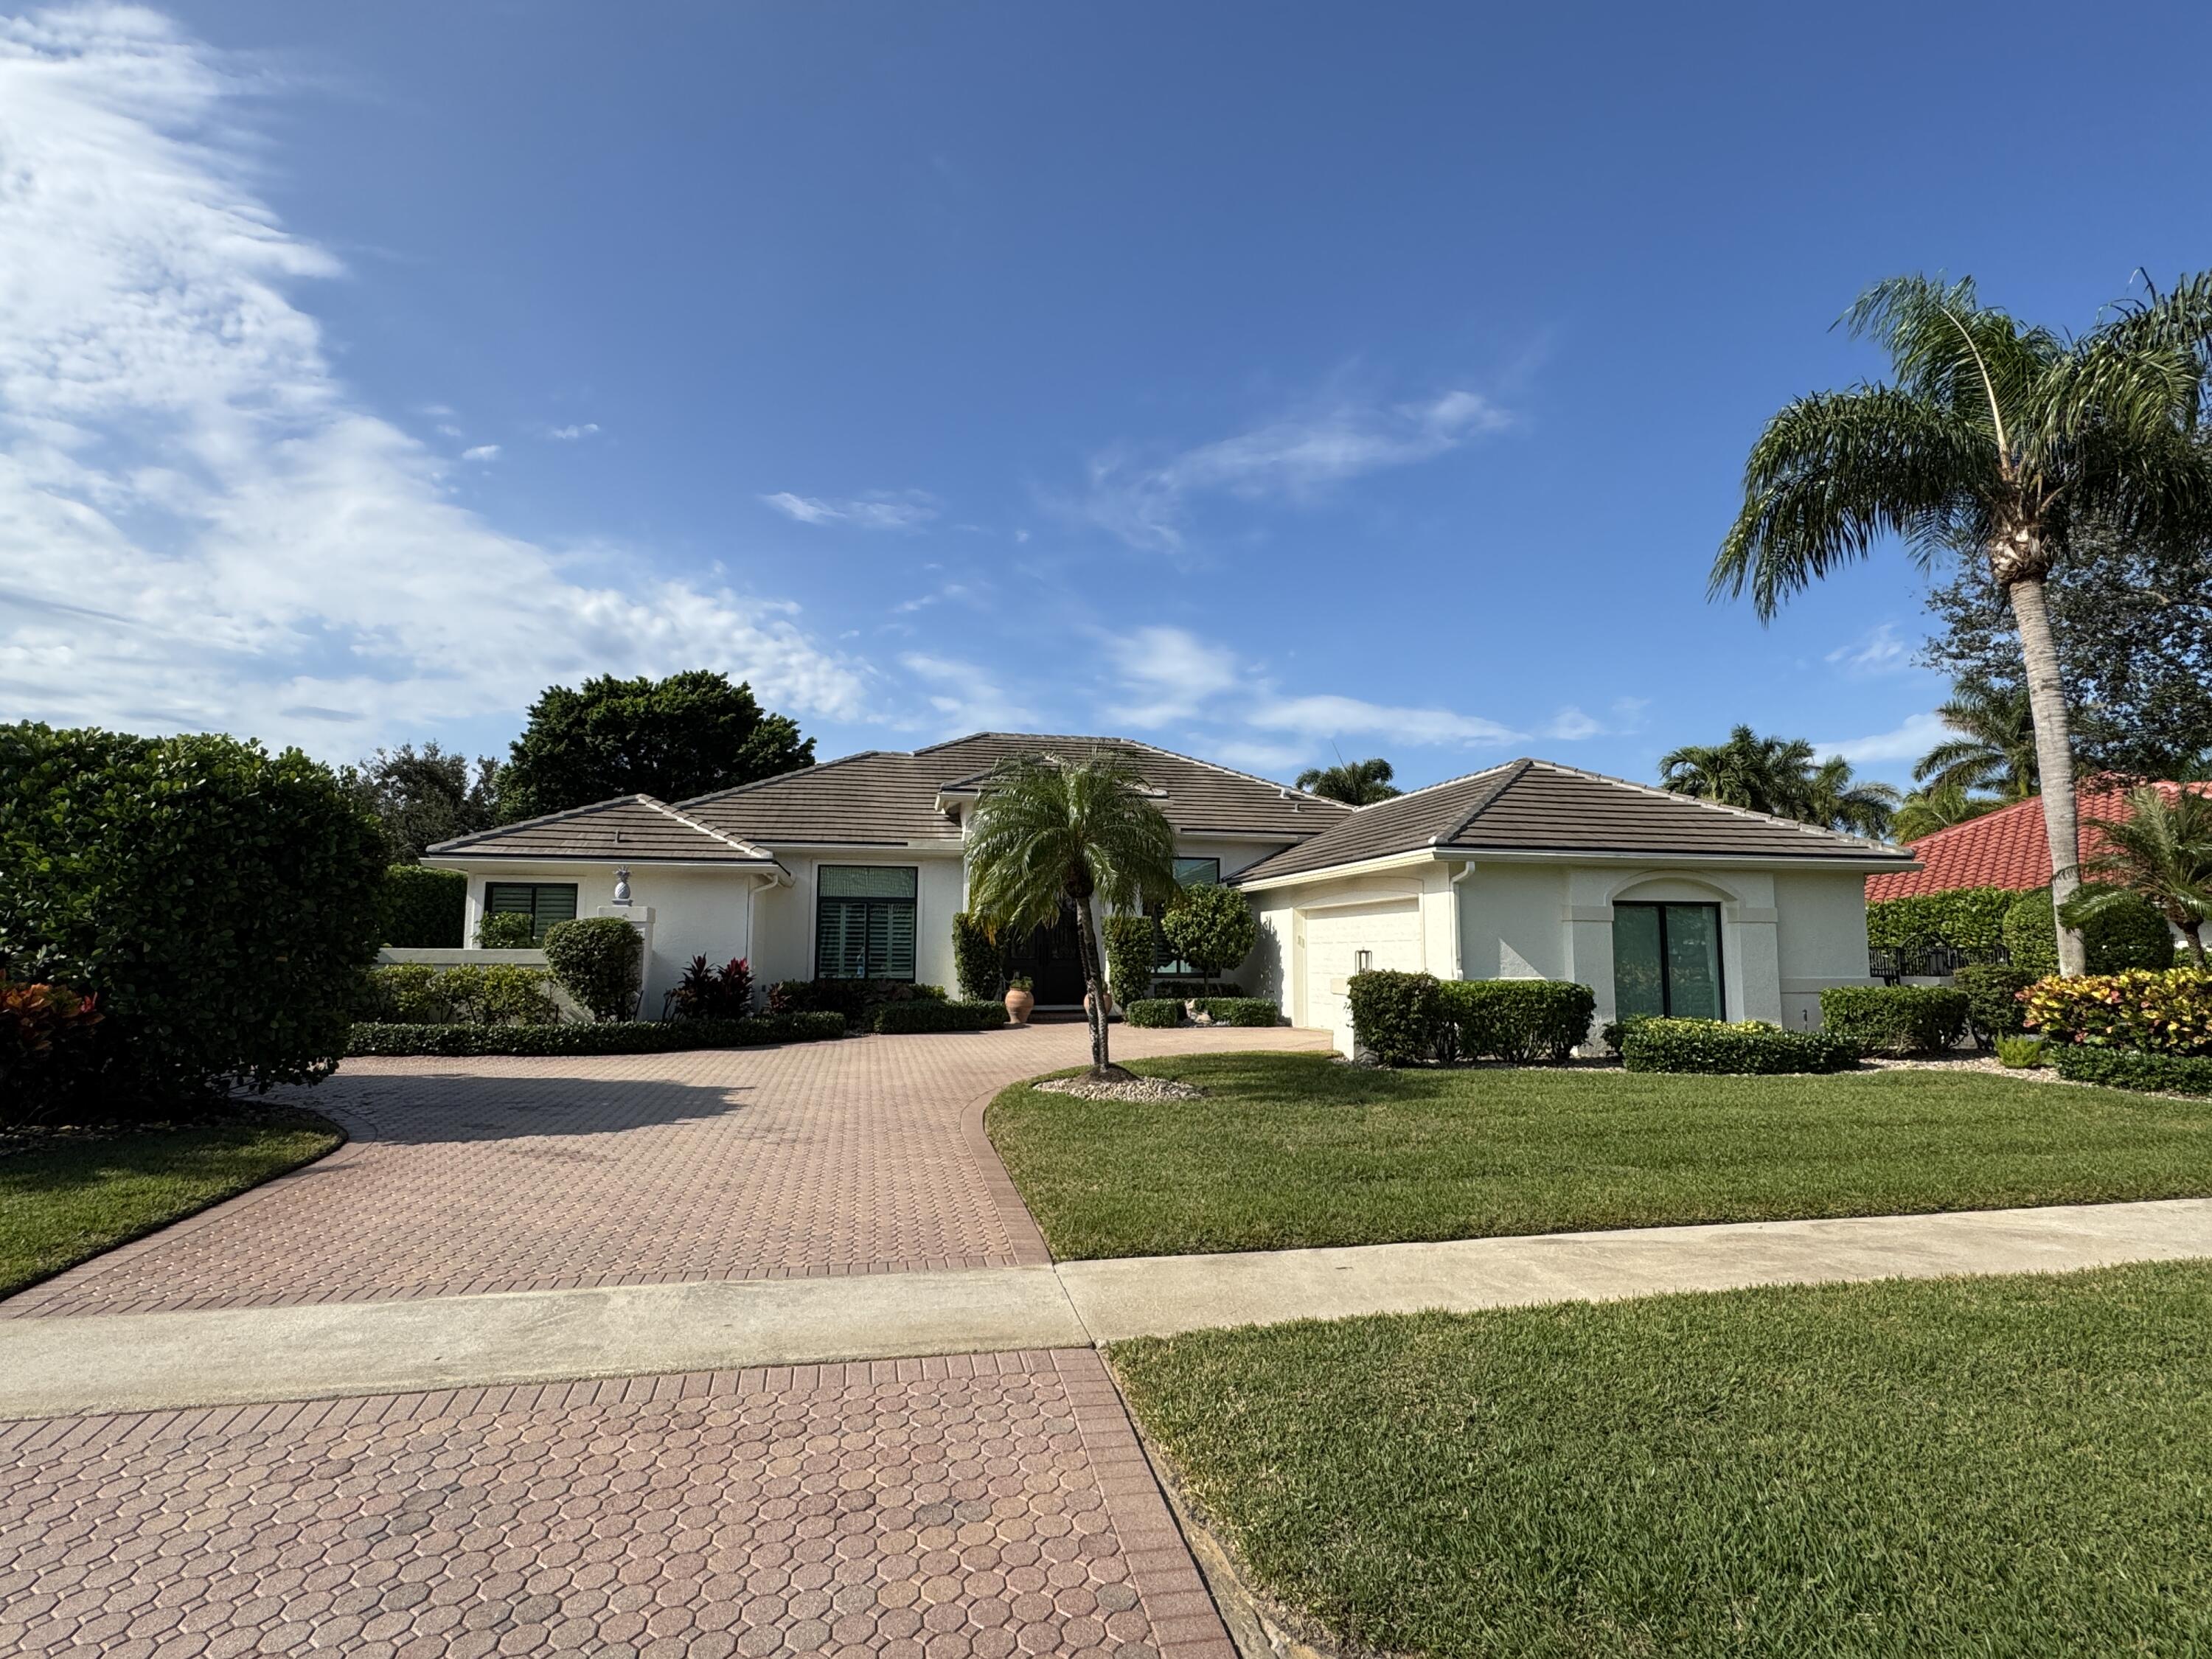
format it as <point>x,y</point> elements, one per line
<point>1996,1467</point>
<point>64,1200</point>
<point>1293,1150</point>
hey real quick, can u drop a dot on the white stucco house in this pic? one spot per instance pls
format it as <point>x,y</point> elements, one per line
<point>854,868</point>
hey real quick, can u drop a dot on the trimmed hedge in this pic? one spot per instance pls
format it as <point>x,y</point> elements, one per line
<point>1968,919</point>
<point>1516,1020</point>
<point>1396,1017</point>
<point>1897,1020</point>
<point>979,961</point>
<point>627,1036</point>
<point>600,962</point>
<point>896,1018</point>
<point>1132,944</point>
<point>1240,1011</point>
<point>505,930</point>
<point>857,1000</point>
<point>1154,1013</point>
<point>2130,935</point>
<point>2168,1013</point>
<point>2132,1068</point>
<point>1993,1001</point>
<point>472,994</point>
<point>424,907</point>
<point>1751,1048</point>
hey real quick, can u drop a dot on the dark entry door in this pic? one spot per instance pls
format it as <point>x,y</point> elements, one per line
<point>1053,958</point>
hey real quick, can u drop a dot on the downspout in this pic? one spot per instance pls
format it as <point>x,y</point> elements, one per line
<point>1458,921</point>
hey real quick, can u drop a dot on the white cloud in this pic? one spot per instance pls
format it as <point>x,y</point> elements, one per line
<point>1296,460</point>
<point>1172,673</point>
<point>1331,716</point>
<point>571,433</point>
<point>1570,724</point>
<point>965,696</point>
<point>1910,741</point>
<point>481,452</point>
<point>1880,652</point>
<point>878,510</point>
<point>200,527</point>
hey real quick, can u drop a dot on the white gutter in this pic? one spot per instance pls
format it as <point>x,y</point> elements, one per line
<point>1861,864</point>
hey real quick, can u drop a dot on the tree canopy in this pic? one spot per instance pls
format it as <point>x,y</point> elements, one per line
<point>690,734</point>
<point>1781,776</point>
<point>1356,783</point>
<point>421,796</point>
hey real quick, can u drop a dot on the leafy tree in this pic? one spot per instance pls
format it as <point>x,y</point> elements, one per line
<point>1210,927</point>
<point>1356,783</point>
<point>1938,806</point>
<point>2162,853</point>
<point>690,734</point>
<point>1778,775</point>
<point>1999,435</point>
<point>1050,834</point>
<point>1995,745</point>
<point>423,797</point>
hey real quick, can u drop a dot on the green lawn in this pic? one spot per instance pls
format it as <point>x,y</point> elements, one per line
<point>63,1199</point>
<point>2001,1467</point>
<point>1293,1150</point>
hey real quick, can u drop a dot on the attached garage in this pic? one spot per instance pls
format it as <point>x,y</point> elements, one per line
<point>1340,939</point>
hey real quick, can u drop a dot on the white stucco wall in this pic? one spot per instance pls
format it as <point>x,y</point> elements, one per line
<point>1821,931</point>
<point>1310,935</point>
<point>784,919</point>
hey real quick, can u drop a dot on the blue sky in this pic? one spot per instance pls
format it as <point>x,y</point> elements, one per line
<point>1272,382</point>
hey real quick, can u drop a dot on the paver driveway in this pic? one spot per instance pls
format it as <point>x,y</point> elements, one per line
<point>864,1155</point>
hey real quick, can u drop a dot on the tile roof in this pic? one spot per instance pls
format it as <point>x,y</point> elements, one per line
<point>1533,805</point>
<point>2008,847</point>
<point>888,798</point>
<point>635,828</point>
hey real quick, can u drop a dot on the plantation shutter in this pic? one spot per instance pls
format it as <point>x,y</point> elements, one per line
<point>865,925</point>
<point>544,901</point>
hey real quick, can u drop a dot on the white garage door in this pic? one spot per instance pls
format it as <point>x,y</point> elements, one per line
<point>1390,930</point>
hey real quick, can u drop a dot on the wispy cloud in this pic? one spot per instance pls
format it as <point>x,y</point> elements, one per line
<point>1908,742</point>
<point>965,696</point>
<point>1878,652</point>
<point>879,510</point>
<point>569,434</point>
<point>267,554</point>
<point>1296,460</point>
<point>1329,715</point>
<point>481,452</point>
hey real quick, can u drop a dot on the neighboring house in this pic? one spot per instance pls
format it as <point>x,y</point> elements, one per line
<point>853,869</point>
<point>2008,847</point>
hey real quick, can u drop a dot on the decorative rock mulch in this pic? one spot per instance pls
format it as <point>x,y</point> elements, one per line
<point>1145,1089</point>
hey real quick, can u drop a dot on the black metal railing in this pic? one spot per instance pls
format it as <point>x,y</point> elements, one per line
<point>1925,960</point>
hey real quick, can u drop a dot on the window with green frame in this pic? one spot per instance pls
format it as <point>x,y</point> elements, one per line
<point>864,921</point>
<point>1188,872</point>
<point>544,901</point>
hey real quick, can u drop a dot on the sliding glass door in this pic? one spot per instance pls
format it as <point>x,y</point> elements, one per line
<point>1667,960</point>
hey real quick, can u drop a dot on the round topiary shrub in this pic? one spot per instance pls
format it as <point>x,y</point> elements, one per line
<point>597,960</point>
<point>1210,927</point>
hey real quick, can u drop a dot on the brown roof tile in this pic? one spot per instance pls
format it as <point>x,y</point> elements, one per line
<point>635,828</point>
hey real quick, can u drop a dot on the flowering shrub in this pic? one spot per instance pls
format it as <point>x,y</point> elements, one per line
<point>2168,1012</point>
<point>43,1033</point>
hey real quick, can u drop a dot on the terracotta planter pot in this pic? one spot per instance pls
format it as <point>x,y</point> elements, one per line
<point>1019,1004</point>
<point>1109,1004</point>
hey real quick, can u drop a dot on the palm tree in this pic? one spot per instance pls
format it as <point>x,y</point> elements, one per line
<point>1765,775</point>
<point>2162,852</point>
<point>1356,783</point>
<point>1938,806</point>
<point>1836,800</point>
<point>1995,745</point>
<point>1997,436</point>
<point>1050,834</point>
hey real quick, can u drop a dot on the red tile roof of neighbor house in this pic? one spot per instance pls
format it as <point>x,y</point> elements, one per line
<point>2004,848</point>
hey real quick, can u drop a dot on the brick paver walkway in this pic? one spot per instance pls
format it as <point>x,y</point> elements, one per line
<point>864,1156</point>
<point>923,1508</point>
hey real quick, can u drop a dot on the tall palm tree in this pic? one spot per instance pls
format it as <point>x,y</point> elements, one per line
<point>1995,745</point>
<point>1050,834</point>
<point>2162,852</point>
<point>1765,775</point>
<point>1937,806</point>
<point>1995,435</point>
<point>1356,783</point>
<point>1836,800</point>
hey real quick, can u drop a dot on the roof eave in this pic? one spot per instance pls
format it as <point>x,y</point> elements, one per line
<point>1855,864</point>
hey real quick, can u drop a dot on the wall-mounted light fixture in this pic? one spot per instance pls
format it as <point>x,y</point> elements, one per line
<point>1363,962</point>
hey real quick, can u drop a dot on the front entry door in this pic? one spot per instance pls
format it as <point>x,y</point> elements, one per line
<point>1053,958</point>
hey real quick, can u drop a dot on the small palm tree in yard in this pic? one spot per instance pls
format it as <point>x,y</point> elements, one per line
<point>1356,783</point>
<point>1997,437</point>
<point>1049,834</point>
<point>2162,852</point>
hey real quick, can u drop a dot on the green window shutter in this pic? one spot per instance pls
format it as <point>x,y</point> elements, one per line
<point>864,921</point>
<point>544,901</point>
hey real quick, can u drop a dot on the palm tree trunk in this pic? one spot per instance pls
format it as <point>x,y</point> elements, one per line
<point>2054,754</point>
<point>2193,931</point>
<point>1094,981</point>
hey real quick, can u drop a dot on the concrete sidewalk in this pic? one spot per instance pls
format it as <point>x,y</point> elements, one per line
<point>141,1362</point>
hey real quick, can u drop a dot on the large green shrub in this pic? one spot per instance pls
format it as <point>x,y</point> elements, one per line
<point>1967,918</point>
<point>2130,935</point>
<point>2131,1068</point>
<point>424,907</point>
<point>505,930</point>
<point>857,1000</point>
<point>1132,944</point>
<point>599,961</point>
<point>1993,1004</point>
<point>1154,1013</point>
<point>221,902</point>
<point>1210,927</point>
<point>472,993</point>
<point>1516,1020</point>
<point>626,1037</point>
<point>978,960</point>
<point>1896,1019</point>
<point>2167,1013</point>
<point>1241,1010</point>
<point>1751,1048</point>
<point>925,1015</point>
<point>1397,1018</point>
